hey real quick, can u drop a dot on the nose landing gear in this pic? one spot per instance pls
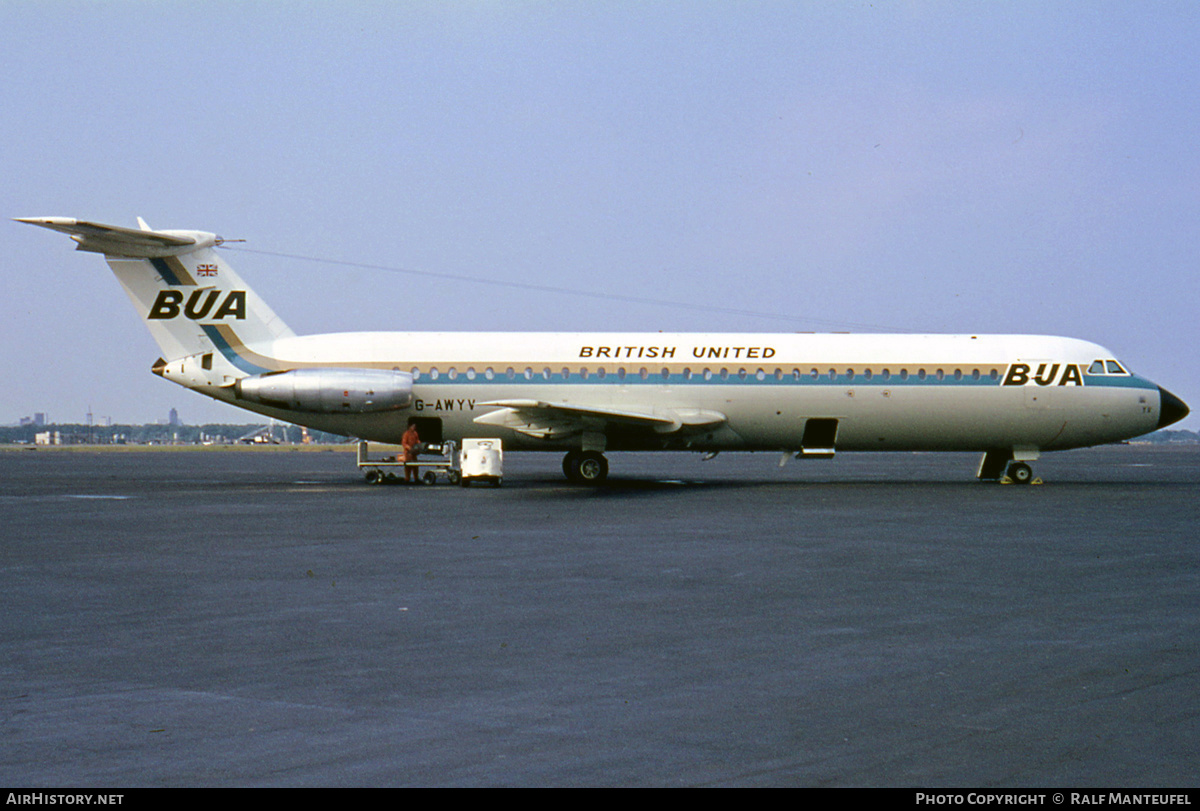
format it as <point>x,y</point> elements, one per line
<point>1020,473</point>
<point>1000,466</point>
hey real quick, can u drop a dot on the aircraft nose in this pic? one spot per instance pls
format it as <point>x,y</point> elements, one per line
<point>1171,409</point>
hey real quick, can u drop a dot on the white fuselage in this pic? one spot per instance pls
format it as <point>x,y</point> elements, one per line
<point>887,392</point>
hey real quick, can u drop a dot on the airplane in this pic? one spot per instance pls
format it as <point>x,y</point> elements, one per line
<point>1009,397</point>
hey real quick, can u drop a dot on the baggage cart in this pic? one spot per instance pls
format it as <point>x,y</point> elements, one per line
<point>390,470</point>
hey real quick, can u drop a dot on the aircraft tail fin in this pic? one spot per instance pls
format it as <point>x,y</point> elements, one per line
<point>189,297</point>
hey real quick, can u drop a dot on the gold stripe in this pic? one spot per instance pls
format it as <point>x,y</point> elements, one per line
<point>180,270</point>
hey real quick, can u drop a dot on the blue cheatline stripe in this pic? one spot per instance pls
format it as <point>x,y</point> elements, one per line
<point>698,379</point>
<point>805,381</point>
<point>164,270</point>
<point>1120,382</point>
<point>229,353</point>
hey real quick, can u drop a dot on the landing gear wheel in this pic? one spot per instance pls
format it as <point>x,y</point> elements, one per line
<point>592,467</point>
<point>570,465</point>
<point>1020,473</point>
<point>585,467</point>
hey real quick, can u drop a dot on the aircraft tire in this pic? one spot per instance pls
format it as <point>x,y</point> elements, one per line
<point>1020,473</point>
<point>591,467</point>
<point>570,465</point>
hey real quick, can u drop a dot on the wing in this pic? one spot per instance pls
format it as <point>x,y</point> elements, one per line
<point>544,420</point>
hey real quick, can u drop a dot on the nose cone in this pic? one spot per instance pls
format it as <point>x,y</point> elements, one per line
<point>1171,409</point>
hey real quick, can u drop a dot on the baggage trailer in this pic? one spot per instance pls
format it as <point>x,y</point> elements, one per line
<point>390,470</point>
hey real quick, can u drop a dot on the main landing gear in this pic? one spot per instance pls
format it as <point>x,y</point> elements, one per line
<point>585,467</point>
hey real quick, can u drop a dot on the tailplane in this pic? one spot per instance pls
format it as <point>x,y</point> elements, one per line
<point>190,299</point>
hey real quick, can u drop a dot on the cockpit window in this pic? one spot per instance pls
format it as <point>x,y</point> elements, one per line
<point>1114,368</point>
<point>1097,368</point>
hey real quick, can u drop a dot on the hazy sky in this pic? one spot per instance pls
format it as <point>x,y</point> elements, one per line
<point>915,166</point>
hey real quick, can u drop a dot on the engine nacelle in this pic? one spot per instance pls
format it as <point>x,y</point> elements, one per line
<point>329,391</point>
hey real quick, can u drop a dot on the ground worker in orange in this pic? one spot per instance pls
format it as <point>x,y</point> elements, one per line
<point>410,442</point>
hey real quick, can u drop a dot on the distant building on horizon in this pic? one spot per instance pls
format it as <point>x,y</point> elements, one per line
<point>48,438</point>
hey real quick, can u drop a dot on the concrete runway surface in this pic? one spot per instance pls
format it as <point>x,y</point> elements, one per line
<point>266,619</point>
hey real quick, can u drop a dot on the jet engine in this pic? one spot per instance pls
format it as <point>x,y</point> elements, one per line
<point>329,391</point>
